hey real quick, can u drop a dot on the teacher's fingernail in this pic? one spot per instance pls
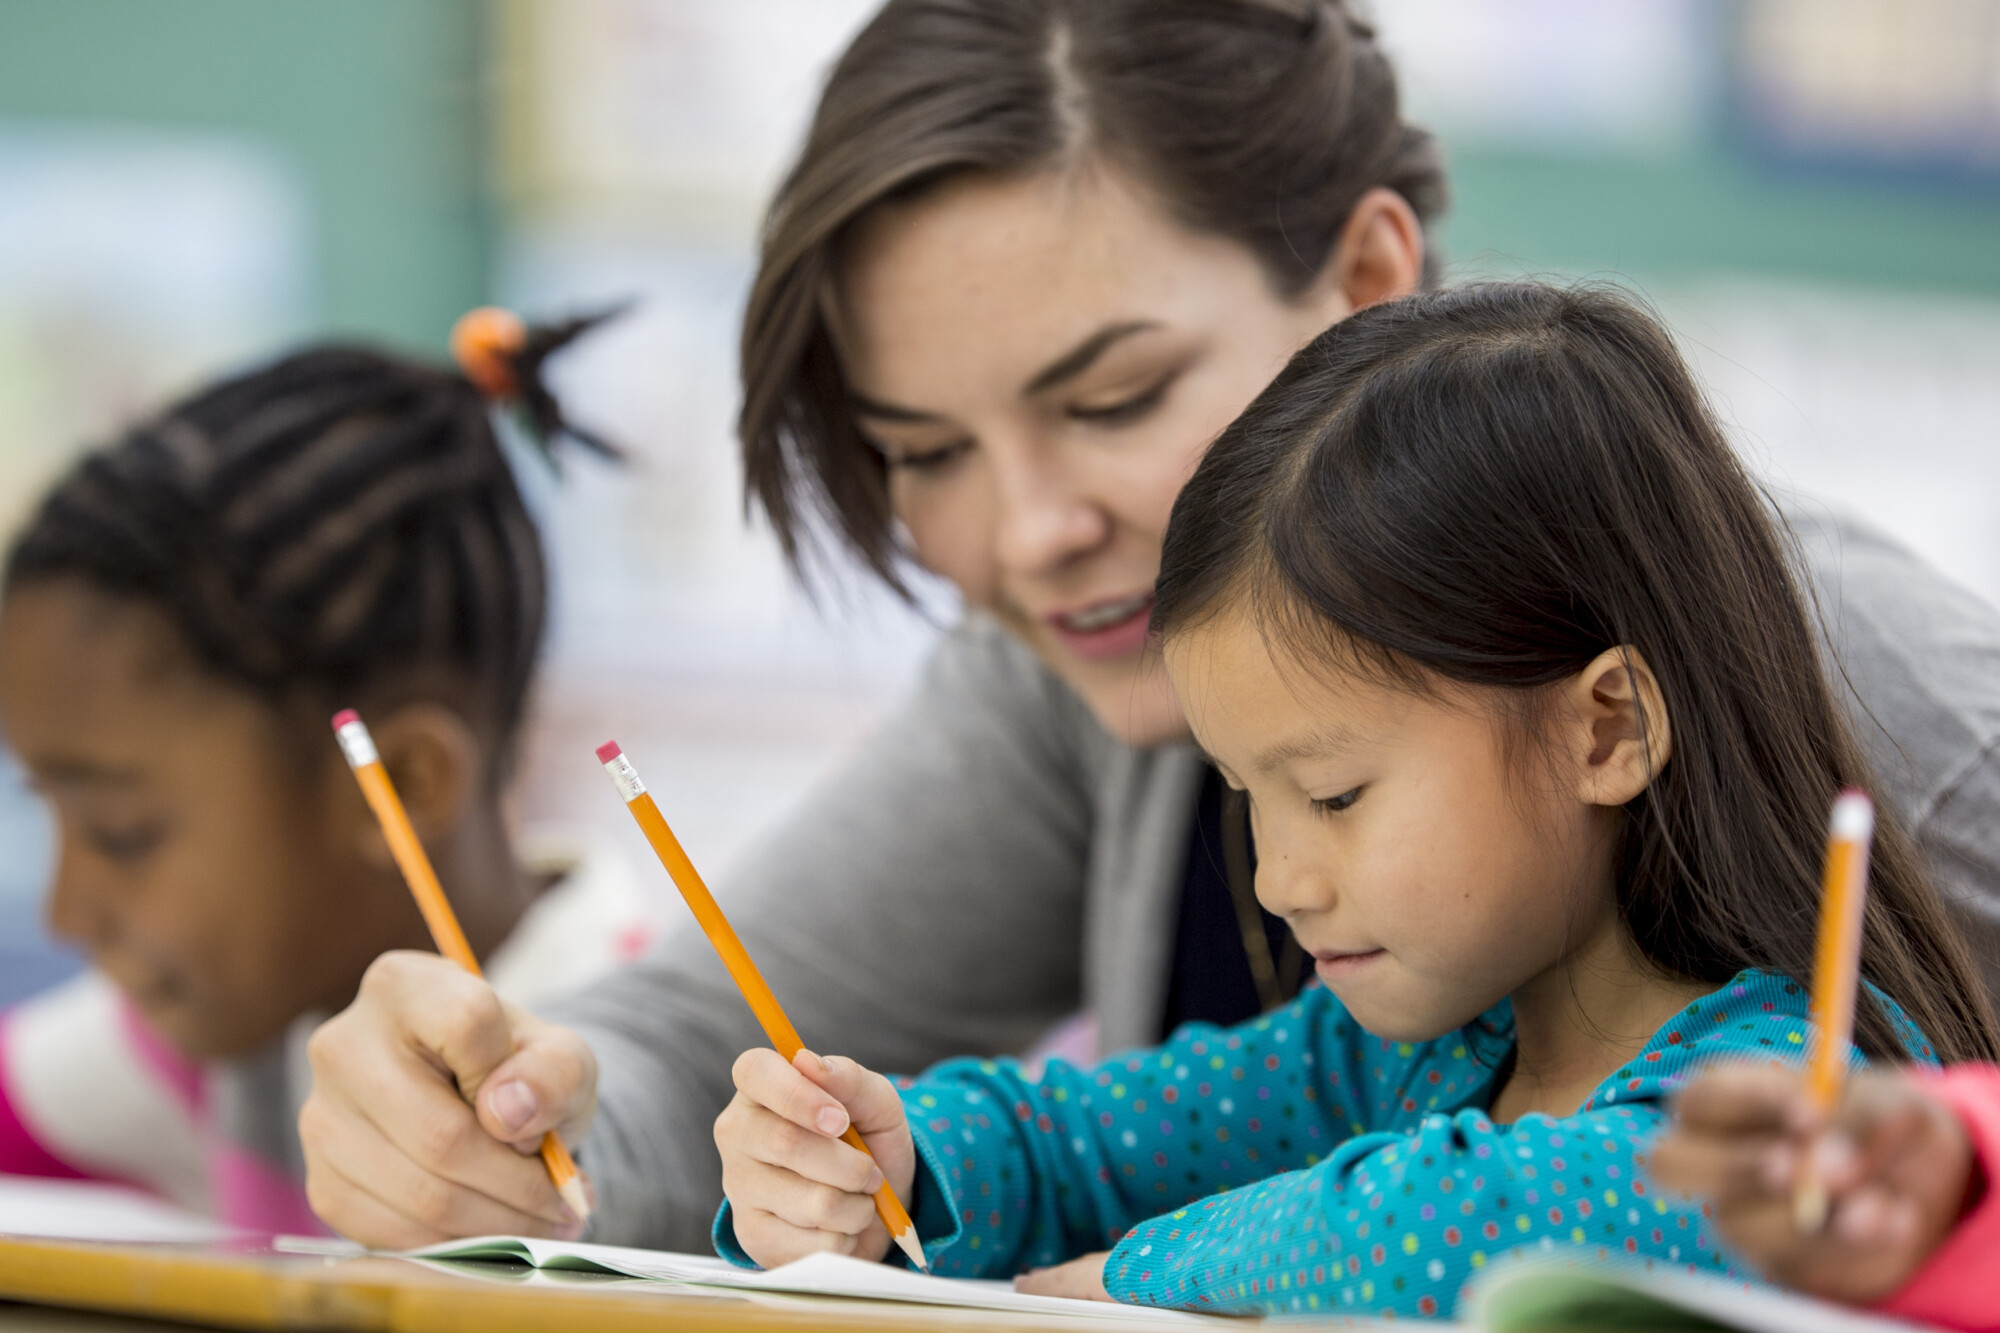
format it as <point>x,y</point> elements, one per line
<point>831,1120</point>
<point>515,1104</point>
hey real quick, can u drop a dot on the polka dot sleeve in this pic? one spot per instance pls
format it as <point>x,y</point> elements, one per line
<point>1298,1163</point>
<point>1026,1172</point>
<point>1398,1220</point>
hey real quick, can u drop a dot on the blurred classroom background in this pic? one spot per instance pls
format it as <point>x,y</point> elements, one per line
<point>1809,189</point>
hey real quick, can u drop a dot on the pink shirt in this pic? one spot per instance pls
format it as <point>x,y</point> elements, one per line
<point>1958,1287</point>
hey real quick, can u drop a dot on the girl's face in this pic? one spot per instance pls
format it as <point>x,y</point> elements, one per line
<point>1427,870</point>
<point>199,867</point>
<point>1042,361</point>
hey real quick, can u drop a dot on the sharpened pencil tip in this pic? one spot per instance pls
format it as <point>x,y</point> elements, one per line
<point>608,751</point>
<point>573,1195</point>
<point>1809,1207</point>
<point>908,1243</point>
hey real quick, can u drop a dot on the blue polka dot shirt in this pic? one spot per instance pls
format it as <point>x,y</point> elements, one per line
<point>1297,1163</point>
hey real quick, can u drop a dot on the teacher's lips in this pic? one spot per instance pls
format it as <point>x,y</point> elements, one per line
<point>1113,627</point>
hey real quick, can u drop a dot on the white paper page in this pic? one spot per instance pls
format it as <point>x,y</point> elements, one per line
<point>576,1255</point>
<point>87,1210</point>
<point>816,1275</point>
<point>837,1275</point>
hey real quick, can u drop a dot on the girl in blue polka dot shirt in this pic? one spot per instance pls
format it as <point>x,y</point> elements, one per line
<point>1479,607</point>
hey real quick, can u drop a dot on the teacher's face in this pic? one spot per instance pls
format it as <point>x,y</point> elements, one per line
<point>1042,361</point>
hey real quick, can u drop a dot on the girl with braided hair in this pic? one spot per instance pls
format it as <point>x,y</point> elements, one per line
<point>179,618</point>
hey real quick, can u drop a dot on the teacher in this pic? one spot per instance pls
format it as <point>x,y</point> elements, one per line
<point>1034,256</point>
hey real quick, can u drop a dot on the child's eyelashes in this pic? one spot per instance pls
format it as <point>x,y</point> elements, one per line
<point>125,844</point>
<point>1333,805</point>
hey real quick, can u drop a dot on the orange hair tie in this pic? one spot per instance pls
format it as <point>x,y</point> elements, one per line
<point>485,342</point>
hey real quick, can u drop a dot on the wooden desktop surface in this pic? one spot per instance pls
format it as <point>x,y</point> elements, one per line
<point>256,1289</point>
<point>83,1287</point>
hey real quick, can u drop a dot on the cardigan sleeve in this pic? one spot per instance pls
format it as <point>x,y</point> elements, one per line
<point>895,928</point>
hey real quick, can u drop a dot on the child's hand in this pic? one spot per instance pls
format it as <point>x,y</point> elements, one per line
<point>793,1185</point>
<point>1895,1162</point>
<point>1079,1279</point>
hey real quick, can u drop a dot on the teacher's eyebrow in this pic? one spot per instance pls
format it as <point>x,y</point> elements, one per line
<point>868,407</point>
<point>1079,358</point>
<point>1064,368</point>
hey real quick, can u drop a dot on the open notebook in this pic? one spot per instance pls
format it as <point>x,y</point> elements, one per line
<point>1550,1296</point>
<point>817,1275</point>
<point>1533,1293</point>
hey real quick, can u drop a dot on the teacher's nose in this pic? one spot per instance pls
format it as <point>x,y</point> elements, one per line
<point>1046,519</point>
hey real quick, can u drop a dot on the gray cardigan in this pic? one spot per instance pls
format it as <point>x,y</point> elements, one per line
<point>994,860</point>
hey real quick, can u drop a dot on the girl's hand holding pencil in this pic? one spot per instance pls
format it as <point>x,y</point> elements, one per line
<point>1895,1162</point>
<point>793,1186</point>
<point>860,1104</point>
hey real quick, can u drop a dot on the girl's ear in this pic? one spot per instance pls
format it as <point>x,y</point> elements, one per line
<point>433,758</point>
<point>1625,737</point>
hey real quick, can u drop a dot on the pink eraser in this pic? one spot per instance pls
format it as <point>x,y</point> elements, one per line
<point>608,751</point>
<point>345,716</point>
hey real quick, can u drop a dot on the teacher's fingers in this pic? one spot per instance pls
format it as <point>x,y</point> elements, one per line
<point>501,1193</point>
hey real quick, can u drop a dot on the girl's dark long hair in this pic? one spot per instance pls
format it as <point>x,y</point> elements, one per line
<point>1495,485</point>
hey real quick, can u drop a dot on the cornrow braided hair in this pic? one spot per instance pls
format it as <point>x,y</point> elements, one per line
<point>324,523</point>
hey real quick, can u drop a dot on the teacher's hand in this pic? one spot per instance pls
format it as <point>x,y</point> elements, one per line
<point>430,1098</point>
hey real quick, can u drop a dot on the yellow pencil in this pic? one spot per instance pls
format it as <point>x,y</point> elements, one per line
<point>737,959</point>
<point>1836,976</point>
<point>359,748</point>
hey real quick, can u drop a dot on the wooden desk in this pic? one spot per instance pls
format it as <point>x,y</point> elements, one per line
<point>169,1287</point>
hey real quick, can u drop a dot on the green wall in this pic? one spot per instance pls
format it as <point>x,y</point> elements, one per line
<point>377,105</point>
<point>1713,211</point>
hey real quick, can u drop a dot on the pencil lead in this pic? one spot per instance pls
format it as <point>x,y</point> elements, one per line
<point>909,1244</point>
<point>573,1195</point>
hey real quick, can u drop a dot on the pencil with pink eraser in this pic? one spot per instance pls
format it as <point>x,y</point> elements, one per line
<point>737,959</point>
